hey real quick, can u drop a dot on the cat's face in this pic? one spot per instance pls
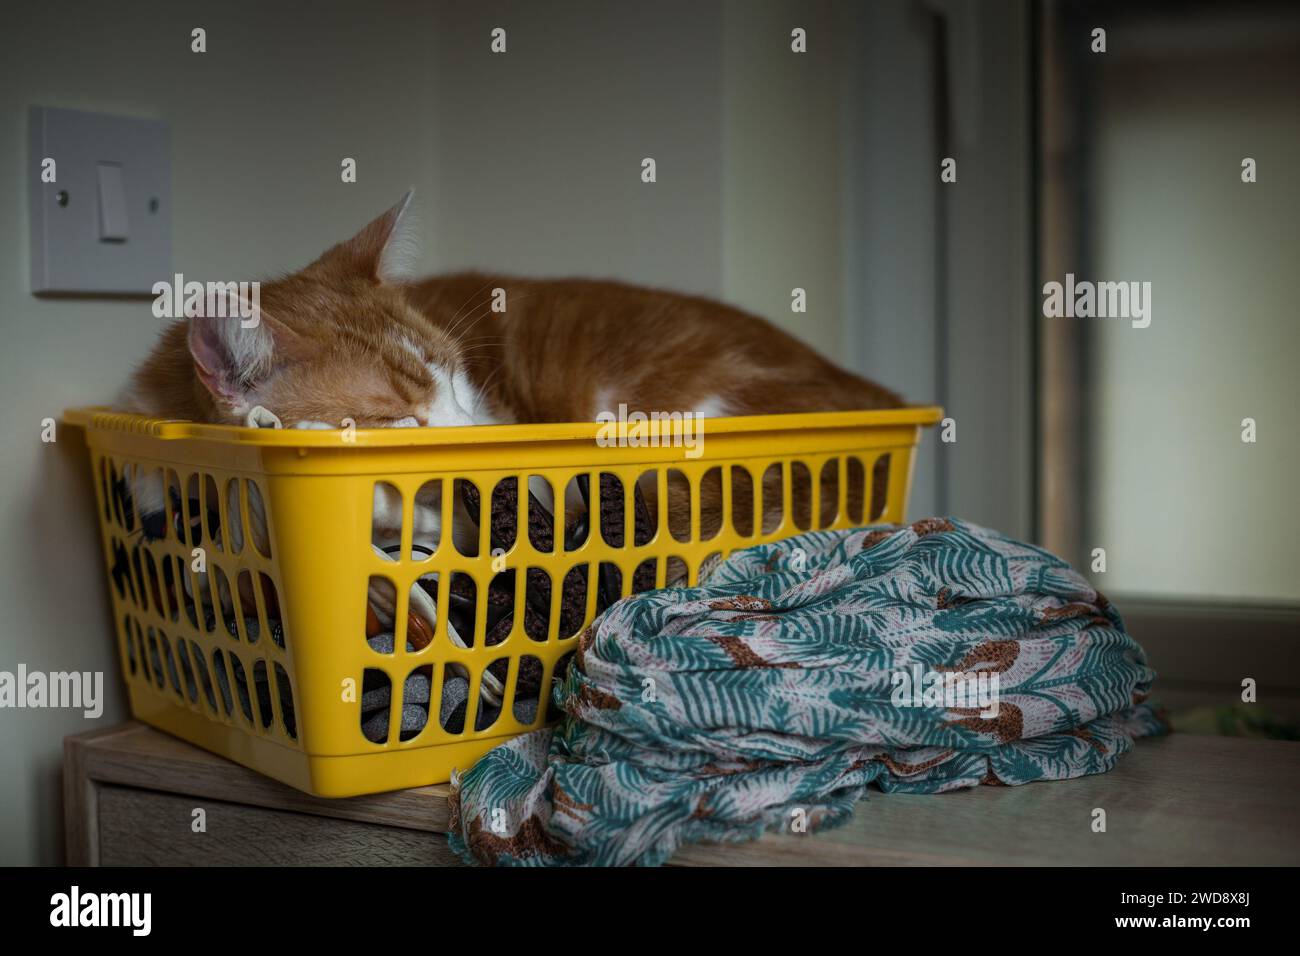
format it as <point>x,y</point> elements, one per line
<point>335,344</point>
<point>347,352</point>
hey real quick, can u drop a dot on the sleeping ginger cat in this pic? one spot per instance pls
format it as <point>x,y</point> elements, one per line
<point>351,337</point>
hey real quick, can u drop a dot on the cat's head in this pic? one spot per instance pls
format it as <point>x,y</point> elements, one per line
<point>333,343</point>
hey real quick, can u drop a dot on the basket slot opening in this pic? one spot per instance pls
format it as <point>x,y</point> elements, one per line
<point>422,613</point>
<point>144,592</point>
<point>205,677</point>
<point>211,509</point>
<point>714,503</point>
<point>138,591</point>
<point>195,591</point>
<point>612,511</point>
<point>170,587</point>
<point>123,511</point>
<point>573,602</point>
<point>262,682</point>
<point>489,711</point>
<point>576,523</point>
<point>381,615</point>
<point>855,479</point>
<point>241,687</point>
<point>149,655</point>
<point>175,507</point>
<point>232,515</point>
<point>426,520</point>
<point>288,718</point>
<point>540,514</point>
<point>801,495</point>
<point>191,510</point>
<point>880,486</point>
<point>187,670</point>
<point>140,649</point>
<point>470,526</point>
<point>643,578</point>
<point>121,572</point>
<point>506,602</point>
<point>251,610</point>
<point>464,612</point>
<point>255,520</point>
<point>155,585</point>
<point>172,675</point>
<point>504,519</point>
<point>223,681</point>
<point>683,520</point>
<point>417,692</point>
<point>453,698</point>
<point>224,606</point>
<point>155,658</point>
<point>830,491</point>
<point>376,702</point>
<point>271,608</point>
<point>528,689</point>
<point>611,585</point>
<point>647,488</point>
<point>742,501</point>
<point>386,521</point>
<point>774,508</point>
<point>128,646</point>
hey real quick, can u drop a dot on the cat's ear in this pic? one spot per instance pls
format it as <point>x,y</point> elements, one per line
<point>387,249</point>
<point>235,350</point>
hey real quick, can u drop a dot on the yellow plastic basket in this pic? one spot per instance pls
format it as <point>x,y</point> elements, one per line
<point>291,707</point>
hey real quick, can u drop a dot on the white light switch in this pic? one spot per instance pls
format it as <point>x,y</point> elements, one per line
<point>103,224</point>
<point>114,223</point>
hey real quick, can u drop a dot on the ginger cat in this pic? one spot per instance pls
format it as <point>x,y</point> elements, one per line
<point>352,336</point>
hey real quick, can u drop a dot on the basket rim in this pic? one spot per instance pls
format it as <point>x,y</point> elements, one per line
<point>102,418</point>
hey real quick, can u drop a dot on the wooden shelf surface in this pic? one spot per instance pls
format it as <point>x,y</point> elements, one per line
<point>1177,800</point>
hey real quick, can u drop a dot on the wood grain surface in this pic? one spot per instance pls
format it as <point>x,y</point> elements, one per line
<point>130,792</point>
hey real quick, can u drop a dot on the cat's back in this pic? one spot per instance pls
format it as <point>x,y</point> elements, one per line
<point>564,343</point>
<point>603,314</point>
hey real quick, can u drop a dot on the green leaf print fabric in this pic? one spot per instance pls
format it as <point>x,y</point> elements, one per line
<point>796,675</point>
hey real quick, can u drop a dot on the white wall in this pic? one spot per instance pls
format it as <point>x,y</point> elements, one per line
<point>537,153</point>
<point>782,193</point>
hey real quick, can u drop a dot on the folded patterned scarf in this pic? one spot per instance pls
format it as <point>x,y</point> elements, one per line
<point>922,658</point>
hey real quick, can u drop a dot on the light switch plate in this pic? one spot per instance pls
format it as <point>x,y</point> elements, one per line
<point>104,224</point>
